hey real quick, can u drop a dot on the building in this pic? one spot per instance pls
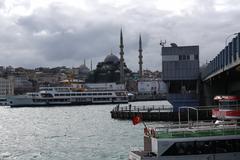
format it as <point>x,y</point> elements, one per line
<point>6,87</point>
<point>108,71</point>
<point>180,68</point>
<point>104,86</point>
<point>22,84</point>
<point>152,86</point>
<point>49,79</point>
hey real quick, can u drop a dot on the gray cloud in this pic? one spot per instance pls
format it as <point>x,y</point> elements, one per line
<point>65,35</point>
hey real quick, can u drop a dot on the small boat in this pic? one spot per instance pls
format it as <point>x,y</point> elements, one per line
<point>189,141</point>
<point>228,107</point>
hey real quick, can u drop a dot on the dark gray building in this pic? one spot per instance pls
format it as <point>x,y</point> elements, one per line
<point>180,68</point>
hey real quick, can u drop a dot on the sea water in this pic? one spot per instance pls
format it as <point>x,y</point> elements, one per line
<point>66,133</point>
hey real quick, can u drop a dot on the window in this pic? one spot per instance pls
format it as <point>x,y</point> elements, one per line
<point>180,57</point>
<point>196,57</point>
<point>184,57</point>
<point>203,147</point>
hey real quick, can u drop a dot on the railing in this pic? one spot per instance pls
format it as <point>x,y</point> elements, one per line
<point>225,59</point>
<point>201,129</point>
<point>144,108</point>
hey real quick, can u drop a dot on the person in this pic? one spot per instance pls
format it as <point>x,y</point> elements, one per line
<point>130,107</point>
<point>118,107</point>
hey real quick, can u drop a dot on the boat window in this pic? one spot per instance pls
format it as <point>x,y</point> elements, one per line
<point>3,99</point>
<point>203,147</point>
<point>46,95</point>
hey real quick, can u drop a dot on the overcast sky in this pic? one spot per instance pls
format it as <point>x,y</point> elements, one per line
<point>53,33</point>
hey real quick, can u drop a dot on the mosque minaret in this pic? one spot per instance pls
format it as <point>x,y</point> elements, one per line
<point>122,78</point>
<point>140,57</point>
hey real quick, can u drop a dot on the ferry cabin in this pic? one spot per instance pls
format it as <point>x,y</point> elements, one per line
<point>202,143</point>
<point>67,96</point>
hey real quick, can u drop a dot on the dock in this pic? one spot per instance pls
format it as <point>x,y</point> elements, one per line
<point>160,113</point>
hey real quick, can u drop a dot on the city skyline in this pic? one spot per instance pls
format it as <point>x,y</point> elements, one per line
<point>58,33</point>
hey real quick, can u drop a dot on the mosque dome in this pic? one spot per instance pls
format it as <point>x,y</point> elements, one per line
<point>111,59</point>
<point>83,69</point>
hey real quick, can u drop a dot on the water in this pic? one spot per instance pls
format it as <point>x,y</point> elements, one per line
<point>60,133</point>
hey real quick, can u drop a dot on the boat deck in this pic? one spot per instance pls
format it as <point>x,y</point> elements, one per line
<point>204,130</point>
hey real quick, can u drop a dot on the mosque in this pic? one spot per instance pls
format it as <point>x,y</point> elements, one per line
<point>112,69</point>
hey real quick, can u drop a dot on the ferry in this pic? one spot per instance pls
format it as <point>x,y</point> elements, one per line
<point>228,107</point>
<point>189,141</point>
<point>67,96</point>
<point>3,101</point>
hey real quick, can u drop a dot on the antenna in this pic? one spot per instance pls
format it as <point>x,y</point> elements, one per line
<point>162,43</point>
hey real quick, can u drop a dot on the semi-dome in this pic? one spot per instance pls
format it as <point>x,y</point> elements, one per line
<point>111,59</point>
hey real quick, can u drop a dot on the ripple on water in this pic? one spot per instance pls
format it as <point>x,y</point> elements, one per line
<point>60,133</point>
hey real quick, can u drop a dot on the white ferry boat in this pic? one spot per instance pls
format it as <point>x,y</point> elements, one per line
<point>67,96</point>
<point>199,141</point>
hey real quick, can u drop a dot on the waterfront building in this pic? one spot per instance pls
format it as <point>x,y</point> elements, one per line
<point>151,87</point>
<point>2,70</point>
<point>104,86</point>
<point>49,79</point>
<point>180,68</point>
<point>22,84</point>
<point>10,69</point>
<point>6,87</point>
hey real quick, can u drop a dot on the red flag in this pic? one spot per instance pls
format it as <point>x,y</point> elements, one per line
<point>136,120</point>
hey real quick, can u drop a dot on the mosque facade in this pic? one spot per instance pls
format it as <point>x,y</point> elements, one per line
<point>108,70</point>
<point>114,68</point>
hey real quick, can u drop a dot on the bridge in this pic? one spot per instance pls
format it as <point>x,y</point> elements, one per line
<point>221,76</point>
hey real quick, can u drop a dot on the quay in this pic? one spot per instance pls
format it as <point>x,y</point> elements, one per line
<point>160,113</point>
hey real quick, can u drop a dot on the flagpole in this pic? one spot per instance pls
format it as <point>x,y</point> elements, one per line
<point>144,124</point>
<point>149,134</point>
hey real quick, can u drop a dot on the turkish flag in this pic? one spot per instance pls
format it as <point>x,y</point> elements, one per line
<point>136,120</point>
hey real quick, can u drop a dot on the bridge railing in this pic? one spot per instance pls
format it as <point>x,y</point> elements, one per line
<point>229,55</point>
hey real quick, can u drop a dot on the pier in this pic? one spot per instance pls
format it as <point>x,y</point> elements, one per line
<point>161,113</point>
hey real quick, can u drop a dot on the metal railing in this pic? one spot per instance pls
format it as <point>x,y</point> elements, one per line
<point>144,108</point>
<point>196,129</point>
